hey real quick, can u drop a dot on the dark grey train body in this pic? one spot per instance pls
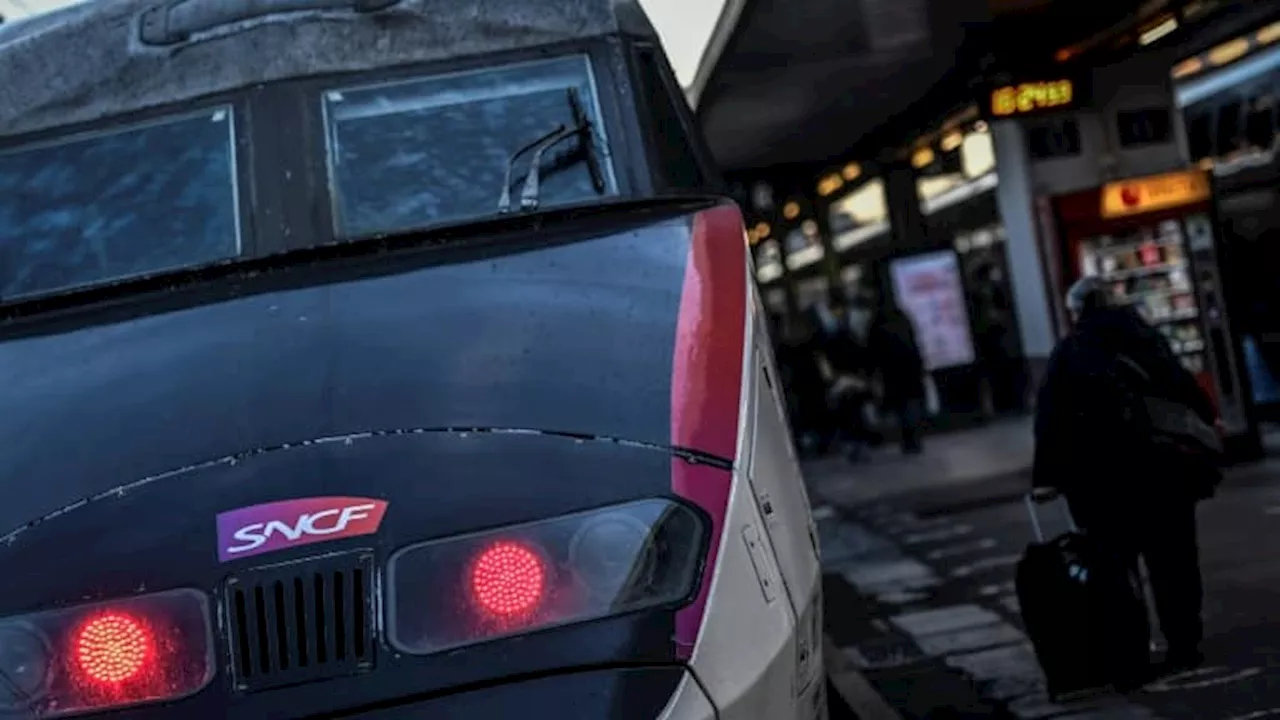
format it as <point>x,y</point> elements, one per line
<point>383,359</point>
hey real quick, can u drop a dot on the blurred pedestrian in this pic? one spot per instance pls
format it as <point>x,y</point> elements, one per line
<point>1125,432</point>
<point>848,388</point>
<point>799,355</point>
<point>996,340</point>
<point>895,355</point>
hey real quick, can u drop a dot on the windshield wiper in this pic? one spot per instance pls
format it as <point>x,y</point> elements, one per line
<point>581,129</point>
<point>587,142</point>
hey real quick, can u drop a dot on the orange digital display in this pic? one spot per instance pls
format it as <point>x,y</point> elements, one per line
<point>1031,97</point>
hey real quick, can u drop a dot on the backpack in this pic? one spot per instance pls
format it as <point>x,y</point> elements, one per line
<point>1173,431</point>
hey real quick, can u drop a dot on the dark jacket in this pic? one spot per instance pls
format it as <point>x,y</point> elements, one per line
<point>843,351</point>
<point>802,377</point>
<point>1084,442</point>
<point>893,350</point>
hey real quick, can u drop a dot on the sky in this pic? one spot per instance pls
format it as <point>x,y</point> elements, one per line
<point>684,25</point>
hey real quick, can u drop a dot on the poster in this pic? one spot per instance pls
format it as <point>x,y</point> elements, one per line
<point>928,288</point>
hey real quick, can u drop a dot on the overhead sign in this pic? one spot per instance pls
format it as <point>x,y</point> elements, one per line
<point>1032,98</point>
<point>1156,192</point>
<point>928,288</point>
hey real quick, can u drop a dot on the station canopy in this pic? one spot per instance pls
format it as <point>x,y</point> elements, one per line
<point>811,81</point>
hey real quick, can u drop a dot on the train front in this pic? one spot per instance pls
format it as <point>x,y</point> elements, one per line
<point>512,482</point>
<point>379,393</point>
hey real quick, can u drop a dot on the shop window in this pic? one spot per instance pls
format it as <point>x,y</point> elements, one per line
<point>978,154</point>
<point>1260,123</point>
<point>859,216</point>
<point>1147,126</point>
<point>674,153</point>
<point>1052,139</point>
<point>812,291</point>
<point>775,301</point>
<point>1200,135</point>
<point>768,257</point>
<point>947,164</point>
<point>804,246</point>
<point>1228,136</point>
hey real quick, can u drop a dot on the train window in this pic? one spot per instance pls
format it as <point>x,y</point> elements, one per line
<point>675,153</point>
<point>94,208</point>
<point>430,150</point>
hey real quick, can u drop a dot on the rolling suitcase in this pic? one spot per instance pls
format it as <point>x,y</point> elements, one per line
<point>1085,614</point>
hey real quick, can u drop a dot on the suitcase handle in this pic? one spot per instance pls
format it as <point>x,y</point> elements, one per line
<point>1034,514</point>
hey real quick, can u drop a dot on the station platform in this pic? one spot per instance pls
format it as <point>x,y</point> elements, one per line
<point>919,556</point>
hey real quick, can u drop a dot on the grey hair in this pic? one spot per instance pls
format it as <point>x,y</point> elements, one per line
<point>1086,294</point>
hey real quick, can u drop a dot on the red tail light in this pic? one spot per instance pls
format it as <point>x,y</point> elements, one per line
<point>100,657</point>
<point>113,648</point>
<point>508,579</point>
<point>463,590</point>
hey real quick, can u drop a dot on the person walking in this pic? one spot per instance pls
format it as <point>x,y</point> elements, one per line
<point>799,355</point>
<point>848,389</point>
<point>895,354</point>
<point>1096,442</point>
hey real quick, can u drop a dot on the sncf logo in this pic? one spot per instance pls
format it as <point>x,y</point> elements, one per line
<point>259,529</point>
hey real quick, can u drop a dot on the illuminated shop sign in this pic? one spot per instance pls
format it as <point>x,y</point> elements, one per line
<point>1156,192</point>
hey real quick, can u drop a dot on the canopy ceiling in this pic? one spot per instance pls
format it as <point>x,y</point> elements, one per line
<point>804,81</point>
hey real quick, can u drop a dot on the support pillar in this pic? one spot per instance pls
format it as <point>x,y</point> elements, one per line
<point>1015,196</point>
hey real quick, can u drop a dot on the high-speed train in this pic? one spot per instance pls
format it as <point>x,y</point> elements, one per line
<point>383,359</point>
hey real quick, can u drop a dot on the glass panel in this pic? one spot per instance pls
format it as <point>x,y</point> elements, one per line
<point>679,164</point>
<point>859,216</point>
<point>978,154</point>
<point>431,150</point>
<point>91,209</point>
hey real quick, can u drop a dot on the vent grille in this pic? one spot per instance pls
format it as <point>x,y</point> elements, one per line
<point>300,622</point>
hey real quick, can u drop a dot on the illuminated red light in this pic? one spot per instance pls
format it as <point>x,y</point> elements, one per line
<point>113,648</point>
<point>508,579</point>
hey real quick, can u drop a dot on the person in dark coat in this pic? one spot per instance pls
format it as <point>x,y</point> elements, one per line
<point>1132,498</point>
<point>895,354</point>
<point>848,389</point>
<point>799,353</point>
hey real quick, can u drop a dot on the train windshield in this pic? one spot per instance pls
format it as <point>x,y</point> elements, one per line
<point>441,149</point>
<point>89,209</point>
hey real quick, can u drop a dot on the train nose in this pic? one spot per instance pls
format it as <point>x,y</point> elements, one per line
<point>612,694</point>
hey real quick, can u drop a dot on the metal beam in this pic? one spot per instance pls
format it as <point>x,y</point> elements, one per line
<point>730,13</point>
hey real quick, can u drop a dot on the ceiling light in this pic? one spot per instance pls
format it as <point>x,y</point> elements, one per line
<point>1269,34</point>
<point>922,158</point>
<point>829,184</point>
<point>1229,51</point>
<point>1157,31</point>
<point>1187,68</point>
<point>1196,9</point>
